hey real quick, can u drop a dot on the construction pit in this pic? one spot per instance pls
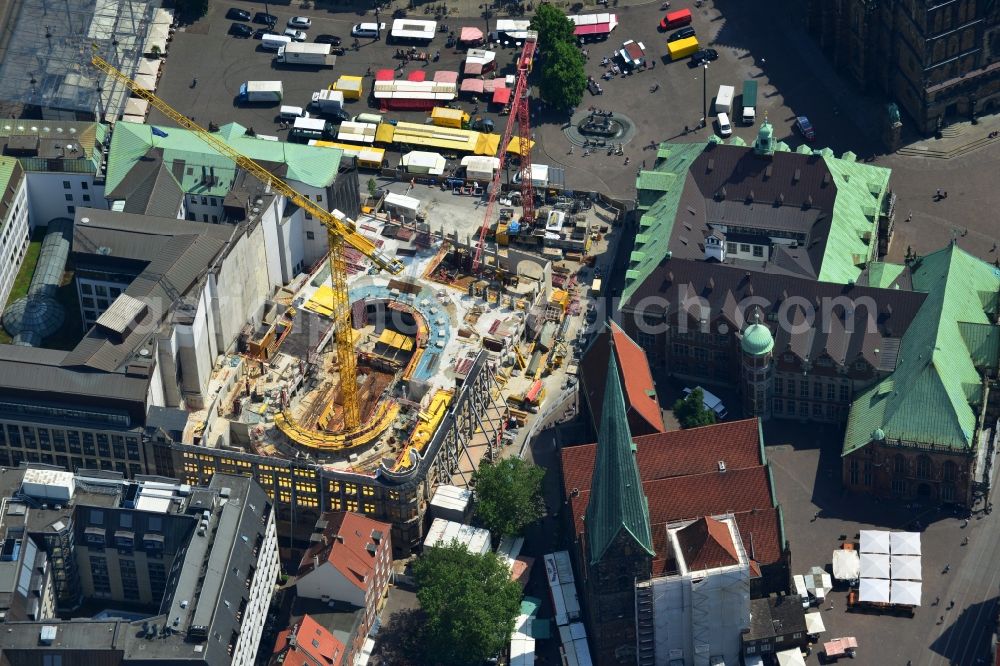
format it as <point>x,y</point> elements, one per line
<point>415,336</point>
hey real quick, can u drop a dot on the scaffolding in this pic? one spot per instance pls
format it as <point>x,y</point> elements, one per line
<point>45,48</point>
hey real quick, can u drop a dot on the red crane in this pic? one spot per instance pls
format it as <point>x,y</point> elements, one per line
<point>520,115</point>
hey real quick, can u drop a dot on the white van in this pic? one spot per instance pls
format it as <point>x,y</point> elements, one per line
<point>711,401</point>
<point>368,30</point>
<point>372,118</point>
<point>292,113</point>
<point>274,42</point>
<point>725,127</point>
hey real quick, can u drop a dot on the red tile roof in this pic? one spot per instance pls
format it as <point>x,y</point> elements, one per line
<point>635,375</point>
<point>348,536</point>
<point>681,480</point>
<point>707,544</point>
<point>676,453</point>
<point>308,644</point>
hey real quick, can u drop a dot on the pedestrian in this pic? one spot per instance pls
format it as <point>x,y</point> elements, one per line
<point>909,217</point>
<point>686,129</point>
<point>937,600</point>
<point>941,620</point>
<point>938,193</point>
<point>194,82</point>
<point>644,164</point>
<point>945,195</point>
<point>570,150</point>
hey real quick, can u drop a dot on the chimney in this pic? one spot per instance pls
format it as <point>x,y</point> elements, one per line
<point>315,561</point>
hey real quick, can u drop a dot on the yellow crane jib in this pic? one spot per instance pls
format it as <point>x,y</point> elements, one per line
<point>341,230</point>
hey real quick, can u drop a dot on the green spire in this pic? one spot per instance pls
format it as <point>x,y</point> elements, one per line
<point>617,502</point>
<point>764,145</point>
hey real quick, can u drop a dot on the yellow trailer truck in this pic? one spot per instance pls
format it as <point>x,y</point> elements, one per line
<point>445,117</point>
<point>682,48</point>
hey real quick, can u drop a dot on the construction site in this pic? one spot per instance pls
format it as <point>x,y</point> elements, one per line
<point>432,332</point>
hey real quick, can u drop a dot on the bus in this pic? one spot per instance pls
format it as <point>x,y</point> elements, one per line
<point>367,157</point>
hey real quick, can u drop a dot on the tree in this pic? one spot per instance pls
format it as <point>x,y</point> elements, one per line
<point>470,601</point>
<point>552,26</point>
<point>692,412</point>
<point>563,78</point>
<point>508,495</point>
<point>372,186</point>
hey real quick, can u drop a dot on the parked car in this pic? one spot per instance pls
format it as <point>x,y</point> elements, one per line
<point>266,19</point>
<point>683,33</point>
<point>328,39</point>
<point>296,35</point>
<point>241,30</point>
<point>336,116</point>
<point>303,22</point>
<point>260,32</point>
<point>805,128</point>
<point>701,57</point>
<point>238,14</point>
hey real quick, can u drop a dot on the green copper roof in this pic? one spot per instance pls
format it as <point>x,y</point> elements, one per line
<point>312,165</point>
<point>757,340</point>
<point>860,191</point>
<point>659,194</point>
<point>931,396</point>
<point>617,502</point>
<point>882,274</point>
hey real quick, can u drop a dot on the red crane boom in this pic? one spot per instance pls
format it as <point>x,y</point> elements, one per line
<point>520,115</point>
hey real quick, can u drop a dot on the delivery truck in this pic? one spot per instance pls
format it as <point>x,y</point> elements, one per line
<point>260,92</point>
<point>682,48</point>
<point>328,101</point>
<point>724,99</point>
<point>749,102</point>
<point>308,55</point>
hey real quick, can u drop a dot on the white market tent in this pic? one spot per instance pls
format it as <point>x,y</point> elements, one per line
<point>905,567</point>
<point>874,565</point>
<point>875,590</point>
<point>874,541</point>
<point>905,592</point>
<point>904,543</point>
<point>818,582</point>
<point>814,623</point>
<point>791,658</point>
<point>846,564</point>
<point>419,161</point>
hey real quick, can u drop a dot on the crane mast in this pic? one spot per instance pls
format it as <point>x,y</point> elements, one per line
<point>519,115</point>
<point>341,232</point>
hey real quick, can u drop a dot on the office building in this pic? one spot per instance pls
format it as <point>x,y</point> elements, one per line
<point>14,228</point>
<point>180,575</point>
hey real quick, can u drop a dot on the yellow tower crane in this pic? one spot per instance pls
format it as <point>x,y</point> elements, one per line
<point>341,231</point>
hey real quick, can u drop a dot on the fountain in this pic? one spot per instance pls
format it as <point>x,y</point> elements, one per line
<point>601,124</point>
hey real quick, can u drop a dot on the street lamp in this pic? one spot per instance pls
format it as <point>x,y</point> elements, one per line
<point>704,97</point>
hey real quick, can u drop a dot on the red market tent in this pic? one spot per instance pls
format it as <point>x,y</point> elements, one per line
<point>417,75</point>
<point>473,68</point>
<point>446,76</point>
<point>501,95</point>
<point>385,75</point>
<point>469,34</point>
<point>472,85</point>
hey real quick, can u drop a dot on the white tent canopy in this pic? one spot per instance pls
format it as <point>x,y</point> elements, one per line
<point>791,658</point>
<point>846,564</point>
<point>905,592</point>
<point>818,582</point>
<point>904,543</point>
<point>875,590</point>
<point>814,623</point>
<point>874,541</point>
<point>874,565</point>
<point>905,567</point>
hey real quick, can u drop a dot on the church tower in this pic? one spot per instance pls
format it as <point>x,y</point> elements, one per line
<point>619,549</point>
<point>763,145</point>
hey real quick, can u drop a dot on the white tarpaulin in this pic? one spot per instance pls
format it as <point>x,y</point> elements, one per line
<point>791,658</point>
<point>149,66</point>
<point>846,564</point>
<point>905,567</point>
<point>875,590</point>
<point>874,541</point>
<point>814,623</point>
<point>136,106</point>
<point>904,543</point>
<point>874,565</point>
<point>905,592</point>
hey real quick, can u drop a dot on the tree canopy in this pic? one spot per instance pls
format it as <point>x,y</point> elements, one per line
<point>470,602</point>
<point>563,78</point>
<point>552,26</point>
<point>691,410</point>
<point>508,495</point>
